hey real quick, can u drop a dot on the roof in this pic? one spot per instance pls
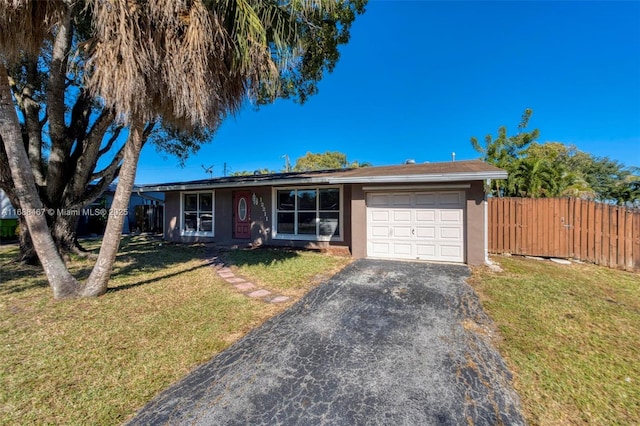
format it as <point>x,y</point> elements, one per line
<point>452,171</point>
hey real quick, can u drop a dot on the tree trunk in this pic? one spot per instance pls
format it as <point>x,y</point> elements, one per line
<point>28,253</point>
<point>99,278</point>
<point>64,229</point>
<point>61,281</point>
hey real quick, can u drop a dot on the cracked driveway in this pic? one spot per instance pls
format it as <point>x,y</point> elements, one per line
<point>382,342</point>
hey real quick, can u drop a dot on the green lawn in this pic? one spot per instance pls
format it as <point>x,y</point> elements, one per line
<point>285,271</point>
<point>571,334</point>
<point>96,361</point>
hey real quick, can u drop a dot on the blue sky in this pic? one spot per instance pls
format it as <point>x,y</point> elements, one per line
<point>419,78</point>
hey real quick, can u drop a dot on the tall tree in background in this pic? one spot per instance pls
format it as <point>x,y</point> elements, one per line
<point>554,169</point>
<point>583,175</point>
<point>610,180</point>
<point>187,62</point>
<point>505,151</point>
<point>325,161</point>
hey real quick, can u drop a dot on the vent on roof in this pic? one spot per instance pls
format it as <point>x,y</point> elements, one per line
<point>410,161</point>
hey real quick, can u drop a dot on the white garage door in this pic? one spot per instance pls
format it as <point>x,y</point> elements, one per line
<point>416,225</point>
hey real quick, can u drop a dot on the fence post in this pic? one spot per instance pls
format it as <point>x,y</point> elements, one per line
<point>628,240</point>
<point>620,237</point>
<point>613,235</point>
<point>636,241</point>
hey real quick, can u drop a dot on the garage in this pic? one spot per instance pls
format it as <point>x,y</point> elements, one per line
<point>416,225</point>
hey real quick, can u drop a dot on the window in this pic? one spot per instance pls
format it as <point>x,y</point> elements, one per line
<point>308,213</point>
<point>197,213</point>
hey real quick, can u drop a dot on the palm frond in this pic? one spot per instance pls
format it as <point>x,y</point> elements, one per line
<point>25,24</point>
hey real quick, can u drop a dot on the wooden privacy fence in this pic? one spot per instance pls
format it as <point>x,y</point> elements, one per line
<point>566,227</point>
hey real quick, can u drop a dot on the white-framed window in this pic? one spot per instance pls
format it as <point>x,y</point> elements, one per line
<point>196,213</point>
<point>308,213</point>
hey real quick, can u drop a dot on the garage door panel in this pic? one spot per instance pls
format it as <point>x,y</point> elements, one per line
<point>402,249</point>
<point>426,231</point>
<point>401,215</point>
<point>450,233</point>
<point>450,252</point>
<point>426,250</point>
<point>425,199</point>
<point>450,199</point>
<point>401,232</point>
<point>380,231</point>
<point>400,200</point>
<point>450,216</point>
<point>416,225</point>
<point>375,200</point>
<point>381,249</point>
<point>425,215</point>
<point>380,215</point>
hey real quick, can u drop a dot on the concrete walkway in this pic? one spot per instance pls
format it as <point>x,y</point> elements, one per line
<point>381,343</point>
<point>239,283</point>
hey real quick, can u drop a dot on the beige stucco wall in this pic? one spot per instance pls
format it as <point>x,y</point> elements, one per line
<point>261,212</point>
<point>354,221</point>
<point>358,222</point>
<point>475,224</point>
<point>261,215</point>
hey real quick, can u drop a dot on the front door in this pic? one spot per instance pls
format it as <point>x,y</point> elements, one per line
<point>241,214</point>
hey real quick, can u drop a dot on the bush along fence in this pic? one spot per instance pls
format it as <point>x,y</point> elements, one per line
<point>566,227</point>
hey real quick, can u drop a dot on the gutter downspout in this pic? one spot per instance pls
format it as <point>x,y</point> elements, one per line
<point>487,261</point>
<point>149,197</point>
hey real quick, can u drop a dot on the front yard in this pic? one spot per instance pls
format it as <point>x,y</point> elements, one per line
<point>571,335</point>
<point>96,361</point>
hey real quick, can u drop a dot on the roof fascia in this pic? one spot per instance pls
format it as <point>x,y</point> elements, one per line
<point>444,177</point>
<point>190,187</point>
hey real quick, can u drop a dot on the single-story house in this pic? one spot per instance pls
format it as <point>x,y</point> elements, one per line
<point>431,211</point>
<point>144,214</point>
<point>8,218</point>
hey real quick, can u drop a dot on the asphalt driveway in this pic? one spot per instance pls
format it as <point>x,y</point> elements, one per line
<point>382,342</point>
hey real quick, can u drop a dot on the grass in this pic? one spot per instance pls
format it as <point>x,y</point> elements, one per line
<point>275,269</point>
<point>571,335</point>
<point>96,361</point>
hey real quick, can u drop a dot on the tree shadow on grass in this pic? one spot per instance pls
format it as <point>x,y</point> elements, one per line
<point>156,279</point>
<point>263,256</point>
<point>136,256</point>
<point>16,279</point>
<point>142,256</point>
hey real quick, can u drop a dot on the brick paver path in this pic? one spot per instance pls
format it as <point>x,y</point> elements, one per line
<point>249,289</point>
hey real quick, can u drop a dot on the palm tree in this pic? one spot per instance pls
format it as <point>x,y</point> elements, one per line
<point>534,178</point>
<point>189,62</point>
<point>574,185</point>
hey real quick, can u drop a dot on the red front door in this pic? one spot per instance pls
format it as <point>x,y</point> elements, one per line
<point>241,214</point>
